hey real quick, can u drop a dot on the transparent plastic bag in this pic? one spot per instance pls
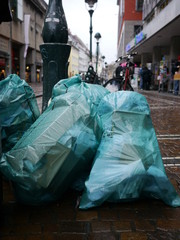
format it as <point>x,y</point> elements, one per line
<point>58,147</point>
<point>128,164</point>
<point>18,110</point>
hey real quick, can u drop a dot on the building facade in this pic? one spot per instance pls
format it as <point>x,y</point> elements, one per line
<point>160,36</point>
<point>129,22</point>
<point>73,61</point>
<point>79,57</point>
<point>83,55</point>
<point>20,40</point>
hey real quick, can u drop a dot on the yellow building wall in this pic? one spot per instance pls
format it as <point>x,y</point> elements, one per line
<point>73,68</point>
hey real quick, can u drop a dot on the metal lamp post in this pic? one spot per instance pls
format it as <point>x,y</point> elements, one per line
<point>55,51</point>
<point>91,4</point>
<point>97,36</point>
<point>103,68</point>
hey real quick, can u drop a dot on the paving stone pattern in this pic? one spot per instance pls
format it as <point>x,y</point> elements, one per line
<point>140,220</point>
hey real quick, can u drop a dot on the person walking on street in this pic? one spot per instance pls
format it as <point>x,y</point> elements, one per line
<point>141,78</point>
<point>160,79</point>
<point>176,80</point>
<point>163,78</point>
<point>146,75</point>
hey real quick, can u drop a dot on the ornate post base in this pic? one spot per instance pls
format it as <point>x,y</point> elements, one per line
<point>55,67</point>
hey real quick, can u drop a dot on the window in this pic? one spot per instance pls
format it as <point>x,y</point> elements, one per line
<point>17,9</point>
<point>137,29</point>
<point>139,5</point>
<point>121,7</point>
<point>13,5</point>
<point>20,10</point>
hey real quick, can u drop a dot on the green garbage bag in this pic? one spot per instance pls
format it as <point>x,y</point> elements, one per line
<point>128,163</point>
<point>57,148</point>
<point>18,110</point>
<point>93,92</point>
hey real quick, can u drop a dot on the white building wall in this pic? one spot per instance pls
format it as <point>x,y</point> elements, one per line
<point>162,18</point>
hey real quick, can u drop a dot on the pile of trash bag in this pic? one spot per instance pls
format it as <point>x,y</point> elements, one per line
<point>58,147</point>
<point>128,163</point>
<point>18,110</point>
<point>88,131</point>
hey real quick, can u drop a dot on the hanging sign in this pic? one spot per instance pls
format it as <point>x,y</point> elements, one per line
<point>139,37</point>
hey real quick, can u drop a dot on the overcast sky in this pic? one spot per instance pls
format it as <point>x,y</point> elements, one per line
<point>105,19</point>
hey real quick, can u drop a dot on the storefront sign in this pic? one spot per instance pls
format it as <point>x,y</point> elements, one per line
<point>130,45</point>
<point>139,37</point>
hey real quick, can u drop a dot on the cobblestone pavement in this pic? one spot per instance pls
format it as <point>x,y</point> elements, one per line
<point>140,220</point>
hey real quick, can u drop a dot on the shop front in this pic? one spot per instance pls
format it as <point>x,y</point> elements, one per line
<point>4,57</point>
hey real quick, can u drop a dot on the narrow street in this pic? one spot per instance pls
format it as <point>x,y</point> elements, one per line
<point>140,220</point>
<point>165,115</point>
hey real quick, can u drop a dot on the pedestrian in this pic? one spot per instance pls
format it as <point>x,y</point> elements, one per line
<point>163,79</point>
<point>146,75</point>
<point>176,77</point>
<point>160,79</point>
<point>165,76</point>
<point>141,78</point>
<point>171,77</point>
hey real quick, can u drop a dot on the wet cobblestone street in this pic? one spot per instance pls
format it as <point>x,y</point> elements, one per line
<point>140,220</point>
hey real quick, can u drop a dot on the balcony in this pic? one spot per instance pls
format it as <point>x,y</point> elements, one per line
<point>160,29</point>
<point>150,5</point>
